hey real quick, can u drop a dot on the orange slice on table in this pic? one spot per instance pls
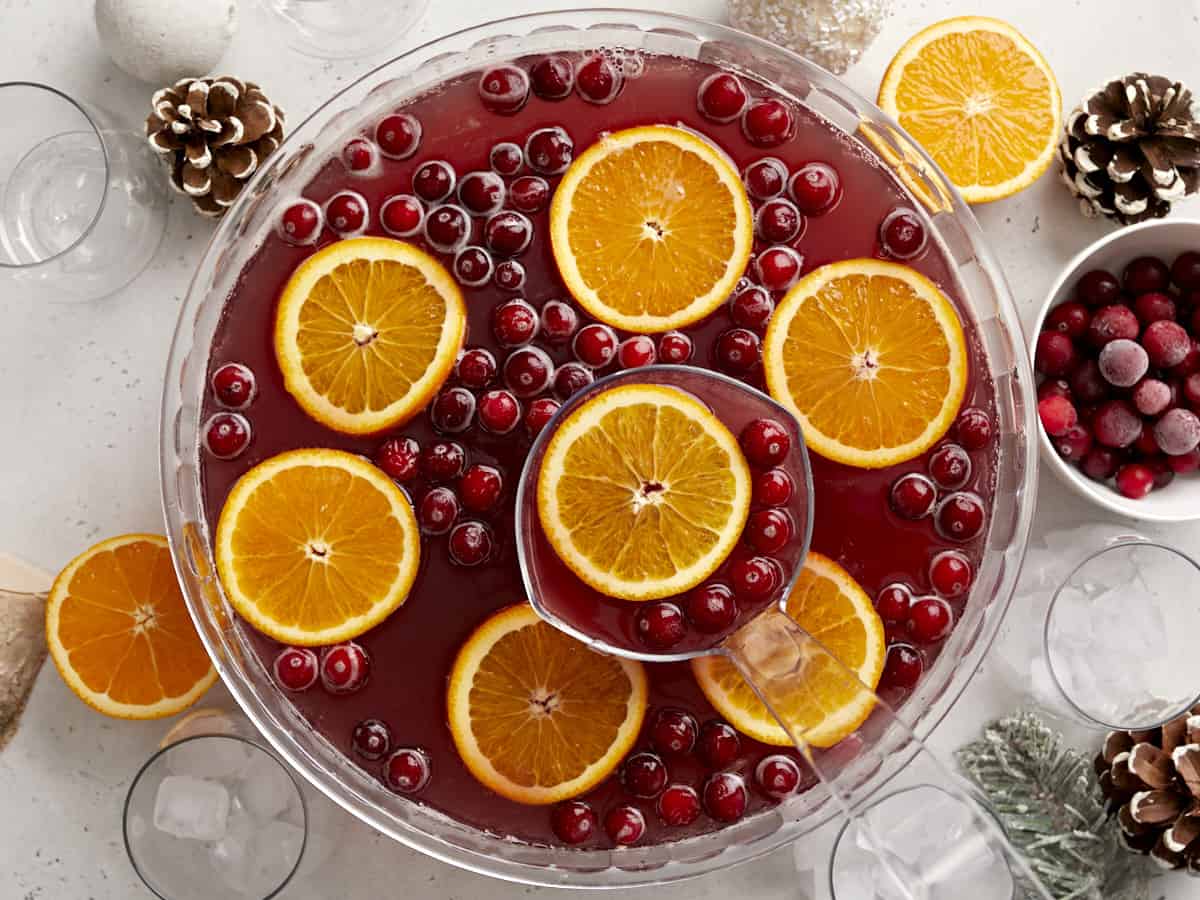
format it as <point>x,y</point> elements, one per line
<point>981,100</point>
<point>536,715</point>
<point>871,359</point>
<point>828,604</point>
<point>119,631</point>
<point>316,546</point>
<point>651,228</point>
<point>366,331</point>
<point>643,492</point>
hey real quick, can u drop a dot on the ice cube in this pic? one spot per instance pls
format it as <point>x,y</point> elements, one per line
<point>218,758</point>
<point>191,808</point>
<point>265,788</point>
<point>273,855</point>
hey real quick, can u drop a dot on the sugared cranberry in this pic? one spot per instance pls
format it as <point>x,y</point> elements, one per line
<point>1088,384</point>
<point>595,345</point>
<point>1072,319</point>
<point>773,488</point>
<point>549,151</point>
<point>624,825</point>
<point>974,428</point>
<point>499,411</point>
<point>1057,415</point>
<point>712,607</point>
<point>504,89</point>
<point>402,215</point>
<point>950,466</point>
<point>1146,274</point>
<point>644,775</point>
<point>893,603</point>
<point>1116,424</point>
<point>597,80</point>
<point>344,668</point>
<point>674,347</point>
<point>950,573</point>
<point>559,321</point>
<point>1177,432</point>
<point>1123,362</point>
<point>721,97</point>
<point>777,776</point>
<point>358,156</point>
<point>725,797</point>
<point>398,136</point>
<point>507,233</point>
<point>1100,464</point>
<point>1154,307</point>
<point>754,577</point>
<point>509,275</point>
<point>437,511</point>
<point>913,496</point>
<point>477,367</point>
<point>902,667</point>
<point>765,178</point>
<point>407,770</point>
<point>768,122</point>
<point>1185,270</point>
<point>751,308</point>
<point>679,805</point>
<point>433,181</point>
<point>540,412</point>
<point>226,434</point>
<point>1098,288</point>
<point>718,745</point>
<point>778,221</point>
<point>506,158</point>
<point>371,739</point>
<point>233,385</point>
<point>472,266</point>
<point>553,77</point>
<point>470,543</point>
<point>570,378</point>
<point>1135,480</point>
<point>480,487</point>
<point>514,323</point>
<point>960,516</point>
<point>296,668</point>
<point>1054,354</point>
<point>528,371</point>
<point>815,187</point>
<point>1166,343</point>
<point>902,234</point>
<point>447,228</point>
<point>777,268</point>
<point>660,625</point>
<point>1185,463</point>
<point>1151,396</point>
<point>300,223</point>
<point>399,458</point>
<point>481,193</point>
<point>452,410</point>
<point>1111,323</point>
<point>1074,443</point>
<point>769,530</point>
<point>673,732</point>
<point>765,442</point>
<point>636,351</point>
<point>443,460</point>
<point>737,351</point>
<point>930,619</point>
<point>346,213</point>
<point>529,193</point>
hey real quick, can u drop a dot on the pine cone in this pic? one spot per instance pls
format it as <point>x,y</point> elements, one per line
<point>216,132</point>
<point>1151,779</point>
<point>1131,148</point>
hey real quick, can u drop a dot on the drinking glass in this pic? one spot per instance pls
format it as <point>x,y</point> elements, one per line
<point>341,29</point>
<point>82,201</point>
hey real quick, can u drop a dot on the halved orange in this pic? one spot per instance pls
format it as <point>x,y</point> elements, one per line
<point>871,359</point>
<point>316,546</point>
<point>536,715</point>
<point>651,228</point>
<point>366,331</point>
<point>643,492</point>
<point>828,604</point>
<point>981,100</point>
<point>119,631</point>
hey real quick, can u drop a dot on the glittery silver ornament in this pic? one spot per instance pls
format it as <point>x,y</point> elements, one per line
<point>831,33</point>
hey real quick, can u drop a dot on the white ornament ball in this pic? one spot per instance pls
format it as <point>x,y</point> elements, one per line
<point>161,41</point>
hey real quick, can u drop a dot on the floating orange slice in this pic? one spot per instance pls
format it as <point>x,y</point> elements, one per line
<point>981,100</point>
<point>366,331</point>
<point>651,228</point>
<point>870,357</point>
<point>119,631</point>
<point>536,715</point>
<point>828,604</point>
<point>316,546</point>
<point>643,492</point>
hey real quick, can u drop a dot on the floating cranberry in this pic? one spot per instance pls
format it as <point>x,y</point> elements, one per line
<point>644,775</point>
<point>673,732</point>
<point>721,97</point>
<point>344,668</point>
<point>296,668</point>
<point>437,511</point>
<point>549,151</point>
<point>765,178</point>
<point>737,351</point>
<point>902,234</point>
<point>1116,424</point>
<point>398,136</point>
<point>346,213</point>
<point>470,543</point>
<point>559,321</point>
<point>902,667</point>
<point>399,458</point>
<point>1185,270</point>
<point>1088,384</point>
<point>570,378</point>
<point>778,268</point>
<point>930,619</point>
<point>769,530</point>
<point>226,434</point>
<point>636,351</point>
<point>773,488</point>
<point>1072,319</point>
<point>1185,463</point>
<point>433,181</point>
<point>1100,464</point>
<point>1146,274</point>
<point>624,825</point>
<point>913,496</point>
<point>447,228</point>
<point>778,221</point>
<point>371,739</point>
<point>751,308</point>
<point>893,603</point>
<point>552,77</point>
<point>515,323</point>
<point>480,487</point>
<point>679,805</point>
<point>472,266</point>
<point>481,193</point>
<point>476,367</point>
<point>443,460</point>
<point>300,223</point>
<point>529,193</point>
<point>660,625</point>
<point>712,607</point>
<point>1111,323</point>
<point>725,797</point>
<point>595,345</point>
<point>1151,396</point>
<point>777,776</point>
<point>499,411</point>
<point>1177,432</point>
<point>1054,354</point>
<point>1135,480</point>
<point>950,466</point>
<point>950,573</point>
<point>528,371</point>
<point>452,410</point>
<point>504,89</point>
<point>674,347</point>
<point>974,428</point>
<point>815,187</point>
<point>506,158</point>
<point>960,516</point>
<point>1166,343</point>
<point>597,80</point>
<point>1057,415</point>
<point>768,122</point>
<point>765,442</point>
<point>509,275</point>
<point>508,233</point>
<point>402,215</point>
<point>233,385</point>
<point>358,156</point>
<point>718,745</point>
<point>541,411</point>
<point>1074,443</point>
<point>754,577</point>
<point>407,770</point>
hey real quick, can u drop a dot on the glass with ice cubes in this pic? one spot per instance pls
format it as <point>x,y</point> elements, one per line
<point>215,817</point>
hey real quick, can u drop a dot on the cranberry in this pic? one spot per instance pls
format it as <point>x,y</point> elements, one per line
<point>773,488</point>
<point>1054,354</point>
<point>754,577</point>
<point>481,193</point>
<point>1074,443</point>
<point>950,573</point>
<point>447,228</point>
<point>1177,432</point>
<point>233,385</point>
<point>674,347</point>
<point>559,321</point>
<point>644,775</point>
<point>725,797</point>
<point>1098,288</point>
<point>913,496</point>
<point>477,367</point>
<point>1055,387</point>
<point>902,667</point>
<point>893,603</point>
<point>1185,271</point>
<point>1100,464</point>
<point>371,739</point>
<point>346,213</point>
<point>358,156</point>
<point>553,77</point>
<point>624,825</point>
<point>595,345</point>
<point>528,371</point>
<point>344,668</point>
<point>660,625</point>
<point>509,275</point>
<point>506,158</point>
<point>407,770</point>
<point>514,323</point>
<point>751,308</point>
<point>815,187</point>
<point>1072,319</point>
<point>1112,322</point>
<point>974,428</point>
<point>1167,343</point>
<point>399,458</point>
<point>301,222</point>
<point>570,378</point>
<point>1151,396</point>
<point>1116,424</point>
<point>433,181</point>
<point>452,410</point>
<point>529,193</point>
<point>777,776</point>
<point>765,178</point>
<point>1057,415</point>
<point>930,619</point>
<point>480,487</point>
<point>769,530</point>
<point>508,233</point>
<point>1146,274</point>
<point>1190,364</point>
<point>778,268</point>
<point>778,221</point>
<point>902,234</point>
<point>1191,390</point>
<point>673,732</point>
<point>1163,473</point>
<point>499,411</point>
<point>950,466</point>
<point>402,215</point>
<point>1185,463</point>
<point>721,97</point>
<point>443,460</point>
<point>398,136</point>
<point>437,511</point>
<point>296,668</point>
<point>470,543</point>
<point>226,434</point>
<point>737,351</point>
<point>1146,445</point>
<point>960,516</point>
<point>712,607</point>
<point>1088,384</point>
<point>718,745</point>
<point>472,266</point>
<point>504,89</point>
<point>636,351</point>
<point>541,411</point>
<point>768,122</point>
<point>1135,480</point>
<point>549,151</point>
<point>765,442</point>
<point>679,805</point>
<point>597,80</point>
<point>1154,307</point>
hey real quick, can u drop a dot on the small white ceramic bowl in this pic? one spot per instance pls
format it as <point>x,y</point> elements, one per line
<point>1166,239</point>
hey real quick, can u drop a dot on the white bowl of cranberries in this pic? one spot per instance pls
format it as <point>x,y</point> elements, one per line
<point>1117,355</point>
